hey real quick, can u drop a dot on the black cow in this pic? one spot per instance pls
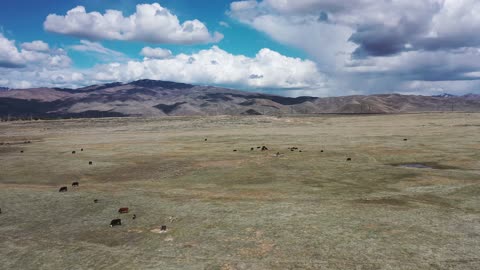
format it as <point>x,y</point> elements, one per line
<point>95,201</point>
<point>75,184</point>
<point>73,152</point>
<point>115,222</point>
<point>0,210</point>
<point>349,159</point>
<point>63,189</point>
<point>134,216</point>
<point>206,139</point>
<point>234,150</point>
<point>90,163</point>
<point>251,149</point>
<point>163,228</point>
<point>405,139</point>
<point>321,151</point>
<point>21,151</point>
<point>264,148</point>
<point>81,149</point>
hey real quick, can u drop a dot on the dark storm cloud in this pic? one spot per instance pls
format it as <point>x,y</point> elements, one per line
<point>378,41</point>
<point>6,64</point>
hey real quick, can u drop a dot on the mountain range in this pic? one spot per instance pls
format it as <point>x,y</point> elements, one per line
<point>162,98</point>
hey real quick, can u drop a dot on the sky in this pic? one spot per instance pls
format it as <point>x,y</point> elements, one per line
<point>285,47</point>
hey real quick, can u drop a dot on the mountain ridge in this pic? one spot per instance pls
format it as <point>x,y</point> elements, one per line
<point>165,98</point>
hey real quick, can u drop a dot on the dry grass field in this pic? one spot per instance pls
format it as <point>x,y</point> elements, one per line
<point>242,209</point>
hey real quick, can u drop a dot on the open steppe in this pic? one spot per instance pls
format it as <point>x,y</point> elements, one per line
<point>242,209</point>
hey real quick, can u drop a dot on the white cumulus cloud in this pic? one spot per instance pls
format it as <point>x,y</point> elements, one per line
<point>33,53</point>
<point>268,69</point>
<point>156,53</point>
<point>150,23</point>
<point>36,45</point>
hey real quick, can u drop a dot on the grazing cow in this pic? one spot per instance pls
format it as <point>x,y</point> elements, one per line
<point>300,151</point>
<point>95,201</point>
<point>81,149</point>
<point>75,184</point>
<point>134,216</point>
<point>405,139</point>
<point>251,149</point>
<point>90,163</point>
<point>321,151</point>
<point>73,152</point>
<point>123,210</point>
<point>278,154</point>
<point>264,148</point>
<point>63,189</point>
<point>349,159</point>
<point>21,151</point>
<point>258,147</point>
<point>115,222</point>
<point>234,150</point>
<point>163,228</point>
<point>206,139</point>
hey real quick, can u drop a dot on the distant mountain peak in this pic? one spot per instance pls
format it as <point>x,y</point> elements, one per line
<point>444,95</point>
<point>162,84</point>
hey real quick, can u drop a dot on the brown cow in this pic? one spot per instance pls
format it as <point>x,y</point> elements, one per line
<point>123,210</point>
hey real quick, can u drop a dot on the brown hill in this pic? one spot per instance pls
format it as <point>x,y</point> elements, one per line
<point>161,98</point>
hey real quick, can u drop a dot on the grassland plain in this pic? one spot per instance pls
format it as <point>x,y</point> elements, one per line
<point>244,209</point>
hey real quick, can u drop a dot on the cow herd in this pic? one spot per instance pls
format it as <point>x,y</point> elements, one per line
<point>125,210</point>
<point>114,222</point>
<point>292,149</point>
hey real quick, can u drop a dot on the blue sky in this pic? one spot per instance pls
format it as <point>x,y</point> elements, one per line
<point>290,47</point>
<point>242,39</point>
